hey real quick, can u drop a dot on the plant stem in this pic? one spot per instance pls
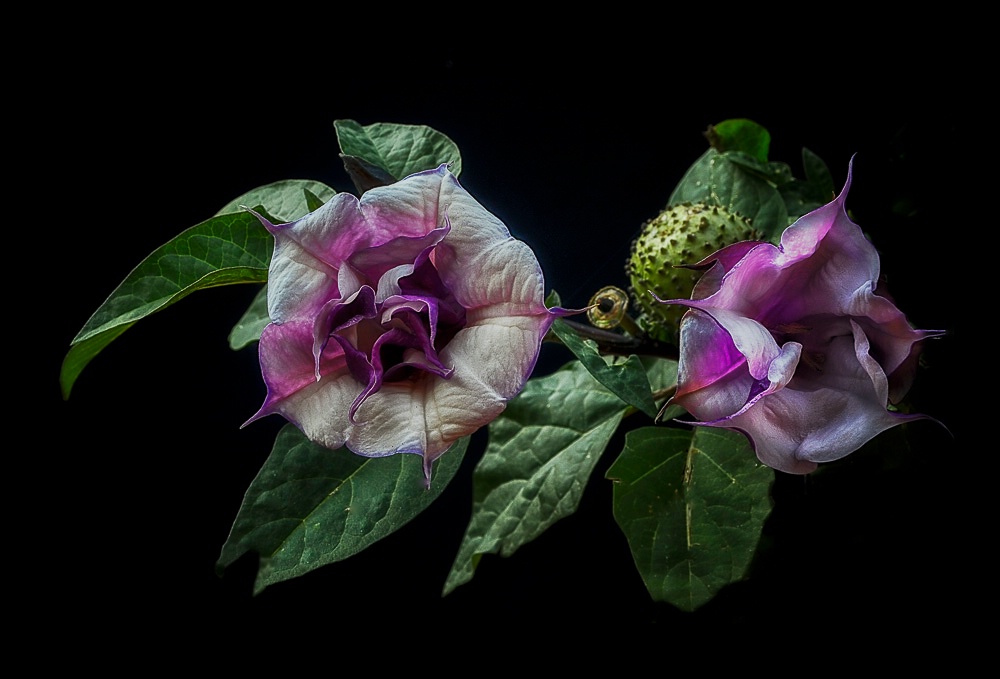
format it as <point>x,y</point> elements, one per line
<point>618,344</point>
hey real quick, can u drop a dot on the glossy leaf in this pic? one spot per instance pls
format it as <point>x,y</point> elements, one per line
<point>540,455</point>
<point>625,378</point>
<point>398,149</point>
<point>224,250</point>
<point>310,506</point>
<point>692,505</point>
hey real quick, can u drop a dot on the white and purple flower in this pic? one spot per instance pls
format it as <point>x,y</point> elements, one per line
<point>796,345</point>
<point>400,321</point>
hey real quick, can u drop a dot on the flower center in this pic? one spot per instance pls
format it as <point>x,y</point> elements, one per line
<point>816,334</point>
<point>400,336</point>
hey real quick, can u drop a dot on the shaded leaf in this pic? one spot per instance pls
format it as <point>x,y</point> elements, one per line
<point>660,372</point>
<point>398,149</point>
<point>818,176</point>
<point>313,202</point>
<point>540,455</point>
<point>285,201</point>
<point>310,506</point>
<point>252,323</point>
<point>626,379</point>
<point>365,175</point>
<point>692,506</point>
<point>815,191</point>
<point>225,250</point>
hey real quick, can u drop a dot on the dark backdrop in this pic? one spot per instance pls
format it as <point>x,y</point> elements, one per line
<point>573,154</point>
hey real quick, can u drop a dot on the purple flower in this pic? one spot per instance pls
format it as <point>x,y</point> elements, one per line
<point>797,346</point>
<point>400,322</point>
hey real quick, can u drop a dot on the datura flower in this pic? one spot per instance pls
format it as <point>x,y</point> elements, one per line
<point>797,346</point>
<point>400,321</point>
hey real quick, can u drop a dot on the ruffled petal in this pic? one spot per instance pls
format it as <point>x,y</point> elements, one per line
<point>401,321</point>
<point>822,420</point>
<point>708,357</point>
<point>289,367</point>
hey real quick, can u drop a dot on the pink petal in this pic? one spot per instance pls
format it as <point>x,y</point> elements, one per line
<point>392,271</point>
<point>794,346</point>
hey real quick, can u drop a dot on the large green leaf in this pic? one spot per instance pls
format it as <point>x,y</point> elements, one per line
<point>285,201</point>
<point>725,179</point>
<point>399,149</point>
<point>232,247</point>
<point>540,455</point>
<point>310,506</point>
<point>626,379</point>
<point>224,250</point>
<point>692,506</point>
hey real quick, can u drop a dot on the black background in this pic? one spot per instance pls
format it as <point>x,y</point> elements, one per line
<point>573,152</point>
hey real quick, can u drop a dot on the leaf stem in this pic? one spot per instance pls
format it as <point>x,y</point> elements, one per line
<point>617,343</point>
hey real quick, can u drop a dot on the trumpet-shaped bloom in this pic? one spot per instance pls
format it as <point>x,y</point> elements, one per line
<point>796,345</point>
<point>400,321</point>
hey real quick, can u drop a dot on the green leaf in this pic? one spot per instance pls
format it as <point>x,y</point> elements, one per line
<point>818,176</point>
<point>313,202</point>
<point>225,250</point>
<point>540,455</point>
<point>741,134</point>
<point>746,144</point>
<point>661,372</point>
<point>401,150</point>
<point>364,175</point>
<point>310,506</point>
<point>692,507</point>
<point>626,379</point>
<point>774,173</point>
<point>252,323</point>
<point>717,179</point>
<point>285,201</point>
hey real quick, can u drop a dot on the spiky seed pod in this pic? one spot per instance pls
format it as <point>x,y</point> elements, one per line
<point>681,234</point>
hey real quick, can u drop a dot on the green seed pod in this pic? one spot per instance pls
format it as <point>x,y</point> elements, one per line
<point>684,233</point>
